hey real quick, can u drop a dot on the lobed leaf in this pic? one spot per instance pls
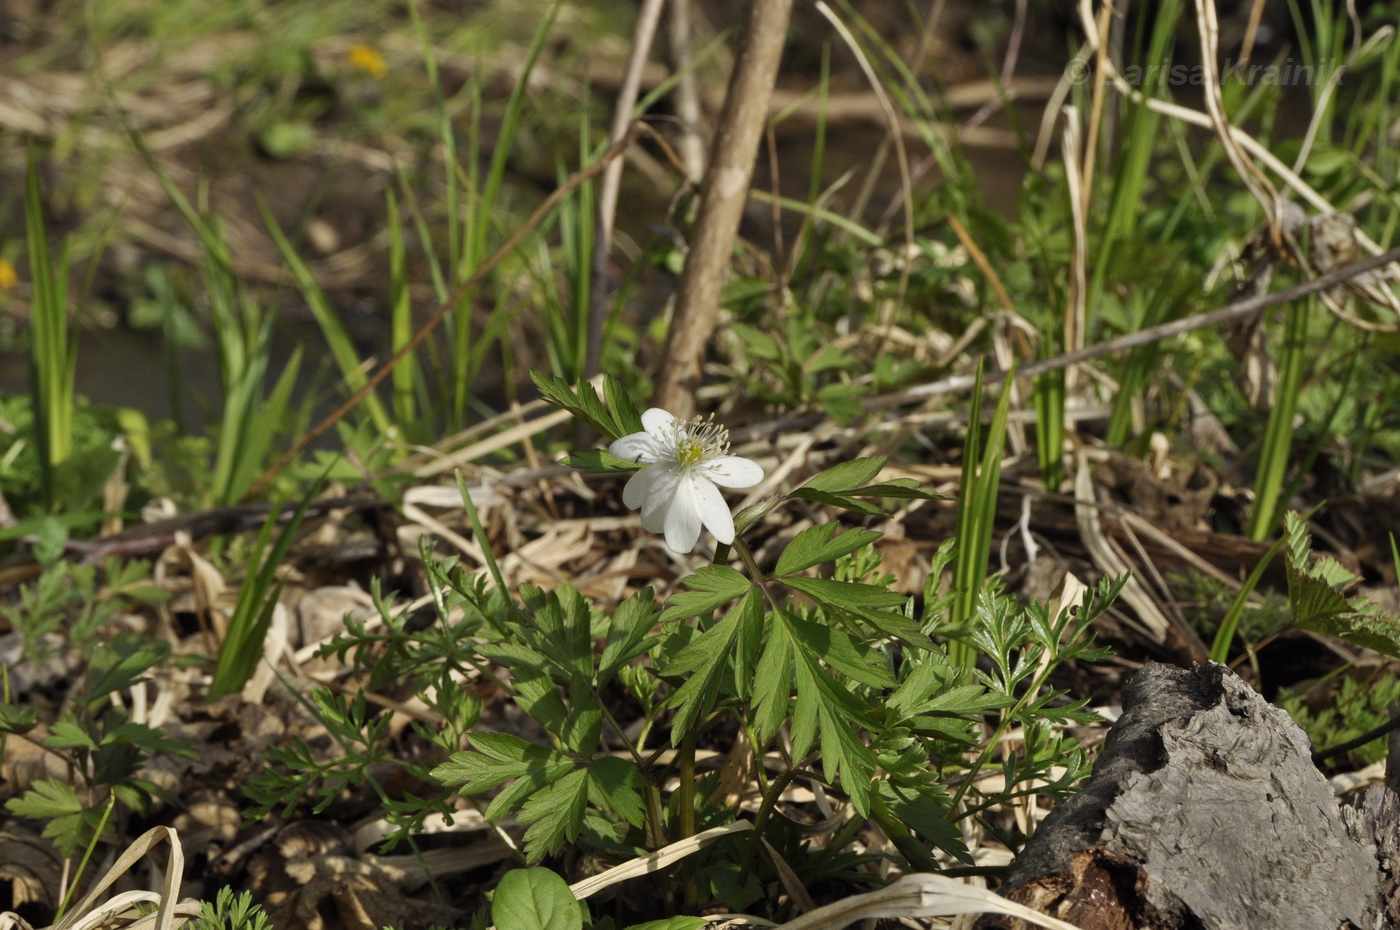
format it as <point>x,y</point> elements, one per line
<point>819,544</point>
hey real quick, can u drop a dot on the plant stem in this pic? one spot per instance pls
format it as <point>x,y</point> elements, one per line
<point>770,798</point>
<point>685,814</point>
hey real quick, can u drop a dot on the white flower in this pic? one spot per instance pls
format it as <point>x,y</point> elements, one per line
<point>676,492</point>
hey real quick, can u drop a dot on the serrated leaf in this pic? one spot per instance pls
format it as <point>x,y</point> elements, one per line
<point>627,634</point>
<point>1319,606</point>
<point>494,758</point>
<point>617,783</point>
<point>672,923</point>
<point>581,401</point>
<point>16,719</point>
<point>819,544</point>
<point>844,501</point>
<point>709,587</point>
<point>121,663</point>
<point>924,814</point>
<point>147,739</point>
<point>845,594</point>
<point>555,814</point>
<point>704,661</point>
<point>842,652</point>
<point>45,799</point>
<point>902,488</point>
<point>70,825</point>
<point>535,899</point>
<point>65,734</point>
<point>624,412</point>
<point>772,686</point>
<point>845,476</point>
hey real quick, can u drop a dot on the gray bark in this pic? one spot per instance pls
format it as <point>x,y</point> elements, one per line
<point>1204,811</point>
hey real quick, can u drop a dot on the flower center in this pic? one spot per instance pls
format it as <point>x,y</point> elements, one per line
<point>698,440</point>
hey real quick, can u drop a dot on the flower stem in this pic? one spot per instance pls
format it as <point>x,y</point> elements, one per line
<point>685,814</point>
<point>770,800</point>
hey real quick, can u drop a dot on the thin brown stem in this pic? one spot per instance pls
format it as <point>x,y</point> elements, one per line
<point>721,204</point>
<point>1235,311</point>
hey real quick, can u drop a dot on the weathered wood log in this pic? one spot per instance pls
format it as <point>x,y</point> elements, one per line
<point>1204,811</point>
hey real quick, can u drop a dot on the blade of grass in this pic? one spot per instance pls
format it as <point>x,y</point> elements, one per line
<point>257,598</point>
<point>1278,433</point>
<point>977,505</point>
<point>408,385</point>
<point>352,368</point>
<point>53,354</point>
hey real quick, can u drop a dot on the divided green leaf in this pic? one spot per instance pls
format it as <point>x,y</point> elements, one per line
<point>1315,595</point>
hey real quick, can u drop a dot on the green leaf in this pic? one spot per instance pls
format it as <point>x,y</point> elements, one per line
<point>70,825</point>
<point>842,652</point>
<point>624,412</point>
<point>772,686</point>
<point>845,594</point>
<point>819,544</point>
<point>535,899</point>
<point>119,664</point>
<point>627,634</point>
<point>66,734</point>
<point>617,783</point>
<point>1318,604</point>
<point>17,719</point>
<point>599,461</point>
<point>709,587</point>
<point>497,757</point>
<point>45,799</point>
<point>703,661</point>
<point>555,814</point>
<point>826,709</point>
<point>844,501</point>
<point>925,814</point>
<point>582,401</point>
<point>672,923</point>
<point>845,476</point>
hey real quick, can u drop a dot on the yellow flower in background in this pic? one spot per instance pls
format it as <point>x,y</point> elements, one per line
<point>368,60</point>
<point>8,278</point>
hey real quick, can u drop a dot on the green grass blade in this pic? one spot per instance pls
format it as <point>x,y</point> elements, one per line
<point>52,353</point>
<point>347,359</point>
<point>977,505</point>
<point>1278,433</point>
<point>257,599</point>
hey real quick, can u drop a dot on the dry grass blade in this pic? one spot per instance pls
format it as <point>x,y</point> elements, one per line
<point>88,914</point>
<point>921,895</point>
<point>1106,559</point>
<point>655,862</point>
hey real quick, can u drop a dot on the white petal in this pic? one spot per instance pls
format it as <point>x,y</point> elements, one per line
<point>733,471</point>
<point>684,514</point>
<point>657,421</point>
<point>661,490</point>
<point>638,487</point>
<point>713,511</point>
<point>635,447</point>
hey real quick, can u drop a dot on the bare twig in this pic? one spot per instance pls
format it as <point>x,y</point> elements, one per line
<point>721,204</point>
<point>642,39</point>
<point>692,146</point>
<point>1237,310</point>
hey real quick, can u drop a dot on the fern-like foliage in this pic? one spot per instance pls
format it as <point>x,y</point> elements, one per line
<point>1315,594</point>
